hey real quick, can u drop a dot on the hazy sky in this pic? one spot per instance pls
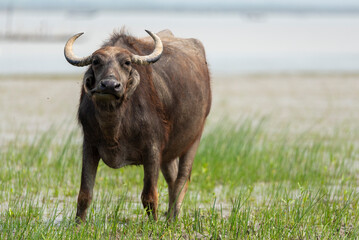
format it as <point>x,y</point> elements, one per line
<point>190,4</point>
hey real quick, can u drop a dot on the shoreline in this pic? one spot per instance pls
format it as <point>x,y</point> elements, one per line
<point>322,103</point>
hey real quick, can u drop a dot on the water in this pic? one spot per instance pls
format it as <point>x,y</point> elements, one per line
<point>235,43</point>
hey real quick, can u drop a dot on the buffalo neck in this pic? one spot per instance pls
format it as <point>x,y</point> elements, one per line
<point>110,123</point>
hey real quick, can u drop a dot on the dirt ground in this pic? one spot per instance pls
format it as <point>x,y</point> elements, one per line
<point>329,103</point>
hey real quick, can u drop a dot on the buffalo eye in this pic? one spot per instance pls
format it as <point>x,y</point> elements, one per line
<point>90,83</point>
<point>95,62</point>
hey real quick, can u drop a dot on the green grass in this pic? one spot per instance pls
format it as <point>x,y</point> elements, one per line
<point>248,181</point>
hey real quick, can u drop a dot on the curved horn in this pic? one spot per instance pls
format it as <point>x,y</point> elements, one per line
<point>71,57</point>
<point>154,56</point>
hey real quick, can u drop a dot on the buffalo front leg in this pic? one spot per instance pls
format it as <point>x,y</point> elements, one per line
<point>90,160</point>
<point>183,177</point>
<point>149,194</point>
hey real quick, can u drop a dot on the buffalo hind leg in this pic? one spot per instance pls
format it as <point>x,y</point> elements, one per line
<point>149,194</point>
<point>170,171</point>
<point>89,168</point>
<point>183,177</point>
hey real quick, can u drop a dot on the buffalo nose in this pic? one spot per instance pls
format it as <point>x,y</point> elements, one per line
<point>110,84</point>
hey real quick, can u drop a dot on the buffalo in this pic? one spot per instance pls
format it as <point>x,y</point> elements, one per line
<point>142,106</point>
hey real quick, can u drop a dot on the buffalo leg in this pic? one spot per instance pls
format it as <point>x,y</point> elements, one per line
<point>170,170</point>
<point>183,177</point>
<point>149,194</point>
<point>90,162</point>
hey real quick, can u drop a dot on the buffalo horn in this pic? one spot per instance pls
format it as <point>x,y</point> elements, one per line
<point>154,56</point>
<point>71,57</point>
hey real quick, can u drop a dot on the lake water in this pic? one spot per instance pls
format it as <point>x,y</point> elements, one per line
<point>235,43</point>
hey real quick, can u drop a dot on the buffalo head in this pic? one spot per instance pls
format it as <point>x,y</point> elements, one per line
<point>111,76</point>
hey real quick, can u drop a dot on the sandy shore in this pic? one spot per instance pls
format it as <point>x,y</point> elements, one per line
<point>298,102</point>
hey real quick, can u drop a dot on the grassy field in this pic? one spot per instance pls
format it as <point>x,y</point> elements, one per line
<point>251,179</point>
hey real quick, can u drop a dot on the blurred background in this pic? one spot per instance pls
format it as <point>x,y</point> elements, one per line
<point>248,36</point>
<point>296,61</point>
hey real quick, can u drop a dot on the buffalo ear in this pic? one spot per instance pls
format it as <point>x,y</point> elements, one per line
<point>89,80</point>
<point>132,83</point>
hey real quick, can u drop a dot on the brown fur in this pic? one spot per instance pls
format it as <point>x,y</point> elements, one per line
<point>159,126</point>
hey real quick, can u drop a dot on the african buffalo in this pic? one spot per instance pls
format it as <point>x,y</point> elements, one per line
<point>140,106</point>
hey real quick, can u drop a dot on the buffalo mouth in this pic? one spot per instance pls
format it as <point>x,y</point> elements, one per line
<point>106,96</point>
